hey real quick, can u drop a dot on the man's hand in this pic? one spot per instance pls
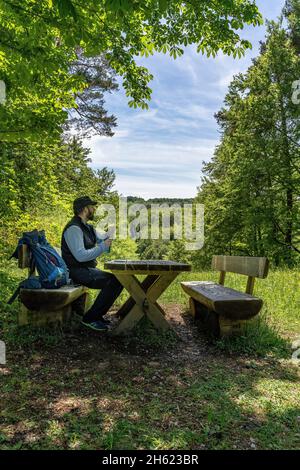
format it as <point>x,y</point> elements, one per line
<point>107,242</point>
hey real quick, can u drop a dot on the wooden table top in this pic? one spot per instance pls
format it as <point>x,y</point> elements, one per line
<point>146,265</point>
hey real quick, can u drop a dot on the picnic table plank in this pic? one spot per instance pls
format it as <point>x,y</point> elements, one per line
<point>146,266</point>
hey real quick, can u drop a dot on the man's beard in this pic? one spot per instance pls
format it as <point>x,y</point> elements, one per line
<point>91,215</point>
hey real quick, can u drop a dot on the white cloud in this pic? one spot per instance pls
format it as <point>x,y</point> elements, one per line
<point>226,78</point>
<point>139,187</point>
<point>159,152</point>
<point>153,169</point>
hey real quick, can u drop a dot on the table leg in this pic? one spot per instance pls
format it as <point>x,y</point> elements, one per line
<point>144,295</point>
<point>160,285</point>
<point>130,303</point>
<point>129,321</point>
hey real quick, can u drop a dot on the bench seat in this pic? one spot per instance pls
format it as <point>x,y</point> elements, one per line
<point>43,306</point>
<point>220,310</point>
<point>51,299</point>
<point>225,301</point>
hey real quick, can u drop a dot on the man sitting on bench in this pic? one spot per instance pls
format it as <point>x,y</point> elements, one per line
<point>80,246</point>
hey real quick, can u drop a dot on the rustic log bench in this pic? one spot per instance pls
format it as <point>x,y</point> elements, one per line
<point>220,310</point>
<point>42,306</point>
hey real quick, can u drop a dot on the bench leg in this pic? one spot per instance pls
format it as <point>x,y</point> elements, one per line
<point>41,318</point>
<point>207,320</point>
<point>197,310</point>
<point>231,327</point>
<point>80,305</point>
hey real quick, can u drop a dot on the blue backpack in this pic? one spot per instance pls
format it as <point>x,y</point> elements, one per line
<point>52,270</point>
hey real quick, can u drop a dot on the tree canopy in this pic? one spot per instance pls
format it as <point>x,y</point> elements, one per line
<point>251,187</point>
<point>41,40</point>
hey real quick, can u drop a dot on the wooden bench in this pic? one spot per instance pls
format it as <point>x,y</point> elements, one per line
<point>221,310</point>
<point>42,306</point>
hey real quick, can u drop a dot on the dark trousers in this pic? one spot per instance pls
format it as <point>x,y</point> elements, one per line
<point>96,279</point>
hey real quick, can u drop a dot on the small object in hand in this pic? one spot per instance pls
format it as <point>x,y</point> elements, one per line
<point>107,242</point>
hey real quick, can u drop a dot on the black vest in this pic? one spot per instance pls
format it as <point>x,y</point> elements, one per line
<point>89,240</point>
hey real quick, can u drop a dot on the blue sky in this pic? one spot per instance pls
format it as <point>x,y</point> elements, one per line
<point>159,152</point>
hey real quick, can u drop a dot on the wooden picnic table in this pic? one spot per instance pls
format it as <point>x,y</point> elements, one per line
<point>144,294</point>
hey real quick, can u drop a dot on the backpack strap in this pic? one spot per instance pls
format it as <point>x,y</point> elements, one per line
<point>32,282</point>
<point>15,294</point>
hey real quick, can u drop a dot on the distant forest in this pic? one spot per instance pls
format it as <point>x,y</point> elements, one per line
<point>159,200</point>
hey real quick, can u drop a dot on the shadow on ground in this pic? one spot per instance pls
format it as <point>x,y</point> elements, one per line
<point>75,389</point>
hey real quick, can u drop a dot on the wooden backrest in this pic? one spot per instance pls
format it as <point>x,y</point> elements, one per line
<point>24,256</point>
<point>247,265</point>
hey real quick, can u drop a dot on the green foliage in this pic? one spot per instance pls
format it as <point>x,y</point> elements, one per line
<point>38,184</point>
<point>171,243</point>
<point>42,41</point>
<point>292,13</point>
<point>250,188</point>
<point>89,116</point>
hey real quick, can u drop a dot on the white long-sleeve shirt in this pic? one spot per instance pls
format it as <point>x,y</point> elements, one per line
<point>74,239</point>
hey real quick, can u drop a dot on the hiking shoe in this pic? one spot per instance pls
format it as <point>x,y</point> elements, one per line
<point>105,321</point>
<point>96,325</point>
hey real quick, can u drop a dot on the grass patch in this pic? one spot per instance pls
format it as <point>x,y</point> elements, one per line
<point>279,291</point>
<point>67,388</point>
<point>261,337</point>
<point>277,325</point>
<point>147,337</point>
<point>223,405</point>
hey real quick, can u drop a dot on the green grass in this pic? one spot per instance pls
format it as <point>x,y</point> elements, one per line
<point>280,292</point>
<point>279,321</point>
<point>67,388</point>
<point>151,407</point>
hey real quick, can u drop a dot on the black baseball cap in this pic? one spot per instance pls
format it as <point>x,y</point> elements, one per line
<point>82,202</point>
